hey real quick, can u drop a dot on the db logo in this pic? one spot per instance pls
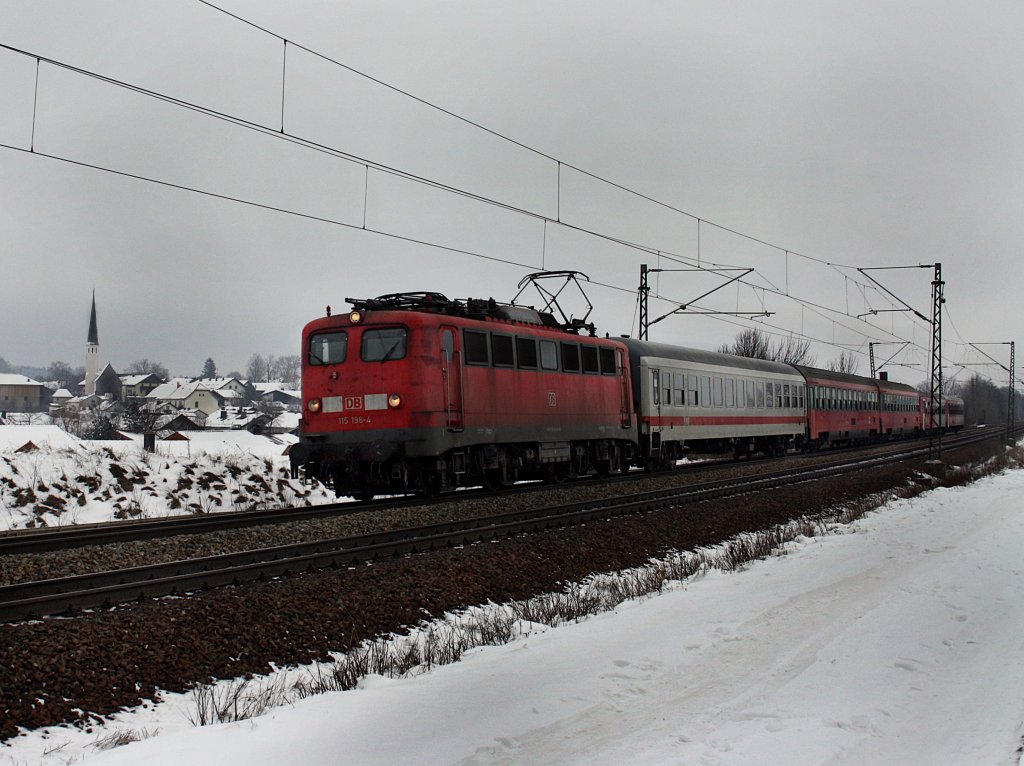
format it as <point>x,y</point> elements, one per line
<point>353,402</point>
<point>552,401</point>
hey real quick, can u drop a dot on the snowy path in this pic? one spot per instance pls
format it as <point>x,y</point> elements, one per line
<point>902,643</point>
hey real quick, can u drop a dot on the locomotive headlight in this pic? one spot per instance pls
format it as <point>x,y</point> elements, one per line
<point>394,401</point>
<point>314,405</point>
<point>355,316</point>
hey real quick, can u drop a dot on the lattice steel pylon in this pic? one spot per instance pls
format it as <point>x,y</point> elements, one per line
<point>1011,411</point>
<point>935,421</point>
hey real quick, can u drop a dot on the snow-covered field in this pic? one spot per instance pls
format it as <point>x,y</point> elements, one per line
<point>898,641</point>
<point>65,480</point>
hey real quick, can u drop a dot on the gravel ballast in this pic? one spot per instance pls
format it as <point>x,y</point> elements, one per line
<point>62,670</point>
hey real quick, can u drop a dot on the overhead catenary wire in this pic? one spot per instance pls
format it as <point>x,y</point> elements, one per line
<point>445,187</point>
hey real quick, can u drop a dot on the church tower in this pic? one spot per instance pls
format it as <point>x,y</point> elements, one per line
<point>92,352</point>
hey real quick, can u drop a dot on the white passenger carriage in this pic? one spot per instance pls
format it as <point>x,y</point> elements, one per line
<point>690,399</point>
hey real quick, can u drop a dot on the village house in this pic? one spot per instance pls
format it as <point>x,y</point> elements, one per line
<point>21,394</point>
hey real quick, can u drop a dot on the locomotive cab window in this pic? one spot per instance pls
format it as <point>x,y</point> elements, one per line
<point>607,361</point>
<point>328,348</point>
<point>526,350</point>
<point>384,345</point>
<point>475,344</point>
<point>589,357</point>
<point>501,351</point>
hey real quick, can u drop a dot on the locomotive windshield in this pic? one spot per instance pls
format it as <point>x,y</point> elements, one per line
<point>328,348</point>
<point>383,345</point>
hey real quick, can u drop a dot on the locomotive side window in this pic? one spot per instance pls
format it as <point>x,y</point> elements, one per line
<point>570,357</point>
<point>328,348</point>
<point>475,345</point>
<point>607,361</point>
<point>548,355</point>
<point>526,349</point>
<point>589,354</point>
<point>384,345</point>
<point>501,350</point>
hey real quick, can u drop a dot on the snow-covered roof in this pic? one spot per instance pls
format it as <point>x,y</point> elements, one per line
<point>10,379</point>
<point>13,437</point>
<point>179,390</point>
<point>62,393</point>
<point>134,380</point>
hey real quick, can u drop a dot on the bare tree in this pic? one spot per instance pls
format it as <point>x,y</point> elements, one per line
<point>751,343</point>
<point>755,344</point>
<point>287,369</point>
<point>146,367</point>
<point>846,364</point>
<point>257,369</point>
<point>65,375</point>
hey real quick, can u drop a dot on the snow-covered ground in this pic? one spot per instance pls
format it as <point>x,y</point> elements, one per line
<point>65,480</point>
<point>899,641</point>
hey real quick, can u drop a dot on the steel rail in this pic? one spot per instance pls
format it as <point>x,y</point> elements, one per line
<point>24,601</point>
<point>39,540</point>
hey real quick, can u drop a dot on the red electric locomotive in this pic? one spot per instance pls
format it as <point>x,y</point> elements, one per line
<point>414,392</point>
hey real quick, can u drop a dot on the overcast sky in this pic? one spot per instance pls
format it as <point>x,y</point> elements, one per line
<point>860,134</point>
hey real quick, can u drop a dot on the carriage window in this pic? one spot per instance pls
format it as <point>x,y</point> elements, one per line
<point>526,349</point>
<point>717,391</point>
<point>785,395</point>
<point>800,390</point>
<point>730,392</point>
<point>705,390</point>
<point>760,394</point>
<point>678,386</point>
<point>607,361</point>
<point>692,397</point>
<point>328,348</point>
<point>769,394</point>
<point>778,395</point>
<point>501,350</point>
<point>475,344</point>
<point>570,357</point>
<point>589,354</point>
<point>750,394</point>
<point>384,345</point>
<point>656,383</point>
<point>548,355</point>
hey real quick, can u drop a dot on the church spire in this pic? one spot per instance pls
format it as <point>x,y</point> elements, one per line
<point>92,351</point>
<point>94,335</point>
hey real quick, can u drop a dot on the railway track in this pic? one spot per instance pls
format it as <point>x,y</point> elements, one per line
<point>26,541</point>
<point>33,600</point>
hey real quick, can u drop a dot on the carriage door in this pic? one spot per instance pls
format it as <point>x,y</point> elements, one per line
<point>451,377</point>
<point>625,403</point>
<point>655,411</point>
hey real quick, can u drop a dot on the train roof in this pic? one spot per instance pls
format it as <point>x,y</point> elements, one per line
<point>700,356</point>
<point>840,377</point>
<point>889,386</point>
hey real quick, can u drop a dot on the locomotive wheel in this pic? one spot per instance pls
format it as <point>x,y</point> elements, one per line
<point>363,496</point>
